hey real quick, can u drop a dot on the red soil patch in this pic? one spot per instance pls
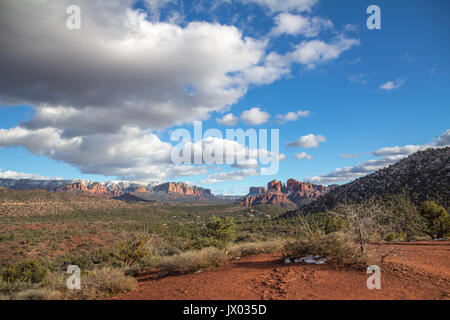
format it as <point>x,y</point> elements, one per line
<point>417,271</point>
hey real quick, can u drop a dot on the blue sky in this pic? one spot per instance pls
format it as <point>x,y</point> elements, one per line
<point>388,88</point>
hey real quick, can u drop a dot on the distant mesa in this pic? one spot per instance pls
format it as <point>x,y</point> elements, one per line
<point>94,189</point>
<point>183,189</point>
<point>166,192</point>
<point>291,194</point>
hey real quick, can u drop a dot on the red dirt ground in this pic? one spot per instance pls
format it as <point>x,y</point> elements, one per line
<point>418,270</point>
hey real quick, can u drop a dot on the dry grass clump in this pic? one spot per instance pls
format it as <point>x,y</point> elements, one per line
<point>192,261</point>
<point>246,249</point>
<point>103,283</point>
<point>50,289</point>
<point>37,294</point>
<point>212,257</point>
<point>337,248</point>
<point>99,283</point>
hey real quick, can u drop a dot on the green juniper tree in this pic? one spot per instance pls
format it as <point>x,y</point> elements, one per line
<point>437,218</point>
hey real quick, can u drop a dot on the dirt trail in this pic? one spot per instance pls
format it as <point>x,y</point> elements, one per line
<point>417,271</point>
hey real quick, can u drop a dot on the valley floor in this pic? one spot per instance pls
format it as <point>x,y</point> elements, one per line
<point>415,270</point>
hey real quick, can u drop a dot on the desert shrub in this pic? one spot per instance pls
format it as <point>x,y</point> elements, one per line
<point>437,219</point>
<point>6,237</point>
<point>395,236</point>
<point>391,236</point>
<point>367,221</point>
<point>311,240</point>
<point>9,288</point>
<point>334,223</point>
<point>103,256</point>
<point>336,247</point>
<point>103,283</point>
<point>191,261</point>
<point>221,230</point>
<point>328,222</point>
<point>28,271</point>
<point>218,232</point>
<point>134,250</point>
<point>171,251</point>
<point>86,261</point>
<point>250,248</point>
<point>405,217</point>
<point>82,260</point>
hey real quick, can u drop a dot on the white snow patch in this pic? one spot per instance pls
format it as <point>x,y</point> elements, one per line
<point>311,260</point>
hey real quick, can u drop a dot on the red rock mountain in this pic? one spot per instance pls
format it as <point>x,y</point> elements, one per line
<point>299,191</point>
<point>94,189</point>
<point>275,185</point>
<point>256,190</point>
<point>165,192</point>
<point>182,188</point>
<point>285,195</point>
<point>270,197</point>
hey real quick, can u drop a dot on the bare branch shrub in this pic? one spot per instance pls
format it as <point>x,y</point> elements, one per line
<point>368,221</point>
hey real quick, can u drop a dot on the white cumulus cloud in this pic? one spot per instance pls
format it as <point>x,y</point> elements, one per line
<point>120,69</point>
<point>255,116</point>
<point>284,5</point>
<point>100,94</point>
<point>303,155</point>
<point>308,141</point>
<point>354,172</point>
<point>230,176</point>
<point>388,156</point>
<point>314,52</point>
<point>228,120</point>
<point>133,155</point>
<point>293,116</point>
<point>392,85</point>
<point>443,139</point>
<point>394,151</point>
<point>292,24</point>
<point>8,174</point>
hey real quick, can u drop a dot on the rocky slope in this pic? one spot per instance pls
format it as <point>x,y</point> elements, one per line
<point>422,175</point>
<point>285,195</point>
<point>165,192</point>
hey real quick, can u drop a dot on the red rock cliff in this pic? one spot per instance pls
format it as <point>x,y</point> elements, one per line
<point>183,189</point>
<point>294,192</point>
<point>275,185</point>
